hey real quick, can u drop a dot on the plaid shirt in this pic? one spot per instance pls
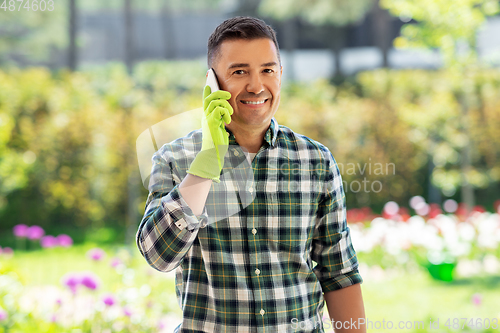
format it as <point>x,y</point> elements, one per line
<point>271,240</point>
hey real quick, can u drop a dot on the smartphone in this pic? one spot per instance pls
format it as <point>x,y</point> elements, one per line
<point>212,80</point>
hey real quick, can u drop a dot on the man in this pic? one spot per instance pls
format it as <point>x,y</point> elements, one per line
<point>269,265</point>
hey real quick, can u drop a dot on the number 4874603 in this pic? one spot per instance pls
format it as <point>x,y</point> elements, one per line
<point>35,5</point>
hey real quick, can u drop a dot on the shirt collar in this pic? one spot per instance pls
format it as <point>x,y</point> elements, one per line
<point>270,137</point>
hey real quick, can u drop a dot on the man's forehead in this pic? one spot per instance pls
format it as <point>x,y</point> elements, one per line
<point>248,51</point>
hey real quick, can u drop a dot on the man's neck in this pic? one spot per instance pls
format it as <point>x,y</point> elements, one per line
<point>250,139</point>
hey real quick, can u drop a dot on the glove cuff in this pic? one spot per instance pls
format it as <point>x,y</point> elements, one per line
<point>206,165</point>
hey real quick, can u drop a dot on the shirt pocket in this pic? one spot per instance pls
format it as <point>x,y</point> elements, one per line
<point>291,226</point>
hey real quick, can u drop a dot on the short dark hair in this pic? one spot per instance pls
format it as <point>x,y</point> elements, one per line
<point>239,27</point>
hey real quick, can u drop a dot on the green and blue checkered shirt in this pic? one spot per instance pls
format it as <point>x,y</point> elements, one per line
<point>271,240</point>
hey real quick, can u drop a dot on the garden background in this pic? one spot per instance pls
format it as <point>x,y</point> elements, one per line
<point>418,150</point>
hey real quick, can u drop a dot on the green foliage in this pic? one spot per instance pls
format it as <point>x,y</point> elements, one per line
<point>32,34</point>
<point>78,131</point>
<point>317,12</point>
<point>448,25</point>
<point>426,103</point>
<point>74,135</point>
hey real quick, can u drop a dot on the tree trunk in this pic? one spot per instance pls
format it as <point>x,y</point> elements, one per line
<point>337,42</point>
<point>290,44</point>
<point>382,30</point>
<point>129,38</point>
<point>467,191</point>
<point>72,51</point>
<point>167,21</point>
<point>132,219</point>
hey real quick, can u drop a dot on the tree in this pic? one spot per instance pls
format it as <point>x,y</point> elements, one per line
<point>72,50</point>
<point>336,14</point>
<point>31,35</point>
<point>451,27</point>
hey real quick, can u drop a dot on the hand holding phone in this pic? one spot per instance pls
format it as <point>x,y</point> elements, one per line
<point>217,112</point>
<point>212,80</point>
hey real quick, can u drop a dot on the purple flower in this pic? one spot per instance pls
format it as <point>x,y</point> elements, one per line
<point>3,314</point>
<point>20,230</point>
<point>7,251</point>
<point>96,254</point>
<point>90,281</point>
<point>64,240</point>
<point>115,262</point>
<point>127,312</point>
<point>71,280</point>
<point>35,232</point>
<point>477,299</point>
<point>48,241</point>
<point>109,300</point>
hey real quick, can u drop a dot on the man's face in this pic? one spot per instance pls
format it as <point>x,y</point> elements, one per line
<point>250,71</point>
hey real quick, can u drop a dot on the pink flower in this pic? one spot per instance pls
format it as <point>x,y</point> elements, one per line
<point>109,300</point>
<point>7,251</point>
<point>64,240</point>
<point>48,241</point>
<point>20,230</point>
<point>3,314</point>
<point>35,232</point>
<point>96,254</point>
<point>115,262</point>
<point>127,312</point>
<point>71,280</point>
<point>90,280</point>
<point>477,299</point>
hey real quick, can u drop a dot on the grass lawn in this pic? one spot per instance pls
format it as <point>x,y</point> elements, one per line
<point>402,296</point>
<point>388,295</point>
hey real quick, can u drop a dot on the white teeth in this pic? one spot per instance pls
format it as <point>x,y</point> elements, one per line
<point>254,103</point>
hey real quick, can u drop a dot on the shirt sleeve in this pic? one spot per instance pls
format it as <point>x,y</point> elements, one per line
<point>332,250</point>
<point>168,227</point>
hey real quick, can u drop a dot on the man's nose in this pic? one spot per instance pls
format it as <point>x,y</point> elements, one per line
<point>255,84</point>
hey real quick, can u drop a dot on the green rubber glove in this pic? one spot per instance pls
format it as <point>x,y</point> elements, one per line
<point>217,112</point>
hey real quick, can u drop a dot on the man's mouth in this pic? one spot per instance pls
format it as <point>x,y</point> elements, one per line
<point>254,102</point>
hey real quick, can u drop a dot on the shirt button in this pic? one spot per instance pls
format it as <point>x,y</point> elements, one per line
<point>262,312</point>
<point>250,189</point>
<point>257,271</point>
<point>254,231</point>
<point>235,152</point>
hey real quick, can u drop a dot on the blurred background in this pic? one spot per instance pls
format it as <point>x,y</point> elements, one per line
<point>405,94</point>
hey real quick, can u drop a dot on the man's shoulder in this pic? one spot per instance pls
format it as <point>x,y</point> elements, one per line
<point>300,144</point>
<point>184,147</point>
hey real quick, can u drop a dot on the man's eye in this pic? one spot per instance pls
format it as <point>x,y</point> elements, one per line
<point>238,72</point>
<point>268,70</point>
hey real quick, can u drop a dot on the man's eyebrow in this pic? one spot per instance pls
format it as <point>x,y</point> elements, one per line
<point>269,64</point>
<point>239,65</point>
<point>236,65</point>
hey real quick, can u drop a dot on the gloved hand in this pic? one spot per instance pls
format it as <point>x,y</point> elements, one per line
<point>217,112</point>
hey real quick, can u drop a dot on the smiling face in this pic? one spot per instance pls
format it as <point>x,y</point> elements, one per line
<point>250,71</point>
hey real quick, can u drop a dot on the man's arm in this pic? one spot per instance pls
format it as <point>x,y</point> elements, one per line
<point>195,191</point>
<point>346,305</point>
